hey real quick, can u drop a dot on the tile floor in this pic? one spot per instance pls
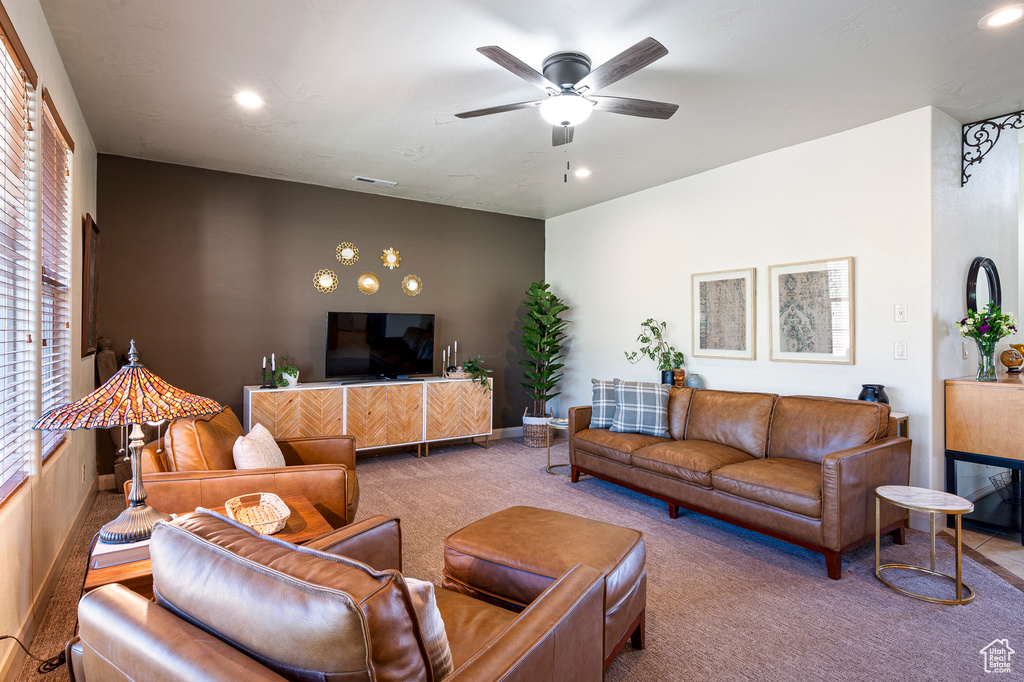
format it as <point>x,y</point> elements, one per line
<point>1004,548</point>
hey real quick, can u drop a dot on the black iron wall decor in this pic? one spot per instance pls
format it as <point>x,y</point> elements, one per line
<point>979,138</point>
<point>994,291</point>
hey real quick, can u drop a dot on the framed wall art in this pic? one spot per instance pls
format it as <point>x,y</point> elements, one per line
<point>812,311</point>
<point>724,314</point>
<point>90,283</point>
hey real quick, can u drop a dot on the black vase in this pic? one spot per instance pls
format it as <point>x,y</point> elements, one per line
<point>666,376</point>
<point>873,393</point>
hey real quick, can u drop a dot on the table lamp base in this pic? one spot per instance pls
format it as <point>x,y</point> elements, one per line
<point>134,524</point>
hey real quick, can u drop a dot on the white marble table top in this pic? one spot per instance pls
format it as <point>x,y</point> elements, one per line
<point>924,499</point>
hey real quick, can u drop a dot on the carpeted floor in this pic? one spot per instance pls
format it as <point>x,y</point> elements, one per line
<point>723,603</point>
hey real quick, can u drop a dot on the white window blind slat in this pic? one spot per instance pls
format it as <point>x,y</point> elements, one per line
<point>15,278</point>
<point>54,163</point>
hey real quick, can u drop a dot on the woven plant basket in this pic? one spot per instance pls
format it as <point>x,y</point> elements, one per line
<point>536,431</point>
<point>458,375</point>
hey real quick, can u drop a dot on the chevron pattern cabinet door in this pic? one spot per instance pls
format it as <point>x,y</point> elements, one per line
<point>263,410</point>
<point>368,415</point>
<point>289,404</point>
<point>405,414</point>
<point>321,412</point>
<point>443,409</point>
<point>476,409</point>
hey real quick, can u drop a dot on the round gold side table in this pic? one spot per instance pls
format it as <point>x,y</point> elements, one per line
<point>561,425</point>
<point>933,502</point>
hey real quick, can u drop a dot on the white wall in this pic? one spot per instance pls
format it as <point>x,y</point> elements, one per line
<point>864,193</point>
<point>37,522</point>
<point>978,219</point>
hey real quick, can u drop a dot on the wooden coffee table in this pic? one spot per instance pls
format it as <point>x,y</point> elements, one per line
<point>304,524</point>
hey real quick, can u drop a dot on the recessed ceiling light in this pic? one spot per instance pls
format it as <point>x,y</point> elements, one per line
<point>583,173</point>
<point>1002,17</point>
<point>248,99</point>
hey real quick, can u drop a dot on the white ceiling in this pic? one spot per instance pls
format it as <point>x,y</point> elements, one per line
<point>369,87</point>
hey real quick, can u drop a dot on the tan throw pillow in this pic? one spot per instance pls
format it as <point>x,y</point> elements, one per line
<point>257,450</point>
<point>431,627</point>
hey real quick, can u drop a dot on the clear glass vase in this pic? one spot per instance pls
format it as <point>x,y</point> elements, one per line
<point>986,360</point>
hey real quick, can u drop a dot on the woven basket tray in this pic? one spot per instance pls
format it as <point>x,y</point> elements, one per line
<point>458,375</point>
<point>265,513</point>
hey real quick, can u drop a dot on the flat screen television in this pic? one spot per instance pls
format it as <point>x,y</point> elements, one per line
<point>379,345</point>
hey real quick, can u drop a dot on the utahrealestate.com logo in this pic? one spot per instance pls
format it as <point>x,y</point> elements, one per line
<point>996,656</point>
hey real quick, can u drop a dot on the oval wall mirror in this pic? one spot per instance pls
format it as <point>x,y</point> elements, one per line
<point>990,293</point>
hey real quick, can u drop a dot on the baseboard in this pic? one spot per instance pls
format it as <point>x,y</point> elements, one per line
<point>508,432</point>
<point>106,481</point>
<point>26,631</point>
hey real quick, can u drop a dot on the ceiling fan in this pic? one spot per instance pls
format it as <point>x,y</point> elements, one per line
<point>570,83</point>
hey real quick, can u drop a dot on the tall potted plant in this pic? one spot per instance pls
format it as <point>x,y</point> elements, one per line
<point>542,338</point>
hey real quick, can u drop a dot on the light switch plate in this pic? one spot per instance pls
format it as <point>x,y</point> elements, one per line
<point>899,350</point>
<point>901,312</point>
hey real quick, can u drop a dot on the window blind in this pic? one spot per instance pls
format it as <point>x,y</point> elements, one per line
<point>55,171</point>
<point>16,287</point>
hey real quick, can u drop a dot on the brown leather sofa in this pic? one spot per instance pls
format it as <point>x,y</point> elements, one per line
<point>799,468</point>
<point>193,466</point>
<point>276,611</point>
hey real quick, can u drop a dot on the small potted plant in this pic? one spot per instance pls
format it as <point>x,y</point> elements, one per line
<point>542,338</point>
<point>655,347</point>
<point>475,368</point>
<point>286,373</point>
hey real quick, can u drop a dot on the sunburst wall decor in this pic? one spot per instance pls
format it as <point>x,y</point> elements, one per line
<point>347,253</point>
<point>368,283</point>
<point>390,258</point>
<point>412,285</point>
<point>325,281</point>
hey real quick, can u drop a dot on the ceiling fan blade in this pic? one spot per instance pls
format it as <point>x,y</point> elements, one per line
<point>634,107</point>
<point>518,67</point>
<point>497,110</point>
<point>644,53</point>
<point>561,135</point>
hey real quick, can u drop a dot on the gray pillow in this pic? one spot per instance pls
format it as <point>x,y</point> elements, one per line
<point>641,407</point>
<point>604,404</point>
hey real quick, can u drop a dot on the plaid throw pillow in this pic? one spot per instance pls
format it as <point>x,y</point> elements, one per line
<point>641,407</point>
<point>604,404</point>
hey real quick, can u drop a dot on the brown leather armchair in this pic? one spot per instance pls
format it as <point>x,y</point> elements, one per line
<point>195,468</point>
<point>280,612</point>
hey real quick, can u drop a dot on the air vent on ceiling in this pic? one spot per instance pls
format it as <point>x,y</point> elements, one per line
<point>374,181</point>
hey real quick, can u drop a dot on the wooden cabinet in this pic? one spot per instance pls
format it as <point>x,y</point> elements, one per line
<point>476,409</point>
<point>981,416</point>
<point>444,412</point>
<point>405,414</point>
<point>368,415</point>
<point>377,414</point>
<point>981,419</point>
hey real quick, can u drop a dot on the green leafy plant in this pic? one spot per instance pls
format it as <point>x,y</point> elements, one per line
<point>475,366</point>
<point>542,338</point>
<point>284,367</point>
<point>988,325</point>
<point>652,335</point>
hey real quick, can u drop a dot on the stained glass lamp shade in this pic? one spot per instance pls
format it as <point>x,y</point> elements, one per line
<point>132,396</point>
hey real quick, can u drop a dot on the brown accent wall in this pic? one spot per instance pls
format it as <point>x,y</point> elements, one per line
<point>210,271</point>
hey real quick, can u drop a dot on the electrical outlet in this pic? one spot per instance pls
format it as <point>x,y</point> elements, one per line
<point>901,312</point>
<point>964,346</point>
<point>899,350</point>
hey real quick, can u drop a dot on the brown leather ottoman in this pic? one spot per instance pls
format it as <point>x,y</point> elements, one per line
<point>510,557</point>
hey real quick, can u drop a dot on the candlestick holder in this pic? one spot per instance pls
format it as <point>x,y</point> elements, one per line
<point>265,384</point>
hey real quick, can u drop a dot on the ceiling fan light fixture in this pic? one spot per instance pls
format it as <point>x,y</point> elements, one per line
<point>566,110</point>
<point>249,100</point>
<point>1004,16</point>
